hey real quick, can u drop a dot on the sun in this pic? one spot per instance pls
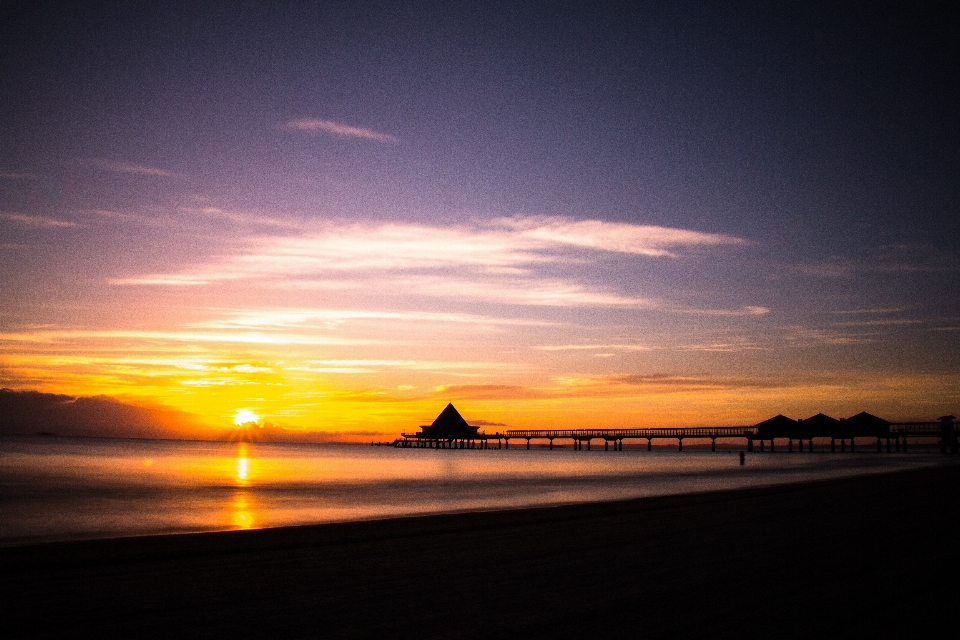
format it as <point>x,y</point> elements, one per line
<point>243,416</point>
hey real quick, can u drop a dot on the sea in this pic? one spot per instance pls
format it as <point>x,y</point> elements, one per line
<point>56,488</point>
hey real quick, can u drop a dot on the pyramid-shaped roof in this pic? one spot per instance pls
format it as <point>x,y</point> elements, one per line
<point>449,424</point>
<point>450,420</point>
<point>776,425</point>
<point>821,418</point>
<point>864,422</point>
<point>821,424</point>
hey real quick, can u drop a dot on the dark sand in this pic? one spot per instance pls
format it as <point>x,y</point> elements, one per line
<point>871,556</point>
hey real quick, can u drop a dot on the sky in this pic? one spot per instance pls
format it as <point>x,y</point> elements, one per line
<point>341,216</point>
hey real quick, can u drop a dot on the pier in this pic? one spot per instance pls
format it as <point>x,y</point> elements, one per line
<point>478,441</point>
<point>450,431</point>
<point>613,438</point>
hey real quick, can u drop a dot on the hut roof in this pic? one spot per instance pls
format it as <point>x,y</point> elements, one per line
<point>865,419</point>
<point>449,424</point>
<point>821,418</point>
<point>776,426</point>
<point>819,423</point>
<point>777,422</point>
<point>450,420</point>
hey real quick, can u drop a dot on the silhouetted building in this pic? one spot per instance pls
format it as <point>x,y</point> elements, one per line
<point>865,424</point>
<point>777,426</point>
<point>449,424</point>
<point>818,425</point>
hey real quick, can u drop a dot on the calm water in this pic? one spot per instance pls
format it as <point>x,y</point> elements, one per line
<point>65,488</point>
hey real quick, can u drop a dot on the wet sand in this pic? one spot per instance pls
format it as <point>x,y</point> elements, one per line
<point>864,556</point>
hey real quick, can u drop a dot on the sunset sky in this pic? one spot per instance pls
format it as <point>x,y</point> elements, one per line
<point>342,216</point>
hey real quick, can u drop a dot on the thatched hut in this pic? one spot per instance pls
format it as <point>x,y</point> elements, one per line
<point>449,424</point>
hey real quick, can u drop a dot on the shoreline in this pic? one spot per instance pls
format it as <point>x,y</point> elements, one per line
<point>863,466</point>
<point>828,556</point>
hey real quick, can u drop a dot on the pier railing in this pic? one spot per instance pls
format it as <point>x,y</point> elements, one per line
<point>678,432</point>
<point>917,428</point>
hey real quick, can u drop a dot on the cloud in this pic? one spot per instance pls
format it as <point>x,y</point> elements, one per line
<point>592,347</point>
<point>685,382</point>
<point>725,347</point>
<point>16,175</point>
<point>458,368</point>
<point>486,423</point>
<point>619,237</point>
<point>489,392</point>
<point>502,260</point>
<point>604,386</point>
<point>927,261</point>
<point>872,310</point>
<point>741,311</point>
<point>248,337</point>
<point>29,412</point>
<point>523,291</point>
<point>807,337</point>
<point>338,129</point>
<point>722,347</point>
<point>185,280</point>
<point>878,323</point>
<point>241,218</point>
<point>285,318</point>
<point>415,365</point>
<point>36,221</point>
<point>127,167</point>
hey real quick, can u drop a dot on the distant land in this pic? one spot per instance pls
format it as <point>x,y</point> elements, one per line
<point>37,413</point>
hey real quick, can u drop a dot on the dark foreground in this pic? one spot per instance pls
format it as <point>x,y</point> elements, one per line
<point>864,556</point>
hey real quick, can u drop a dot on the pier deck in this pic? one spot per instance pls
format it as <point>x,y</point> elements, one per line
<point>894,437</point>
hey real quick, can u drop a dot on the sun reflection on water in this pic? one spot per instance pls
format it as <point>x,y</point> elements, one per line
<point>242,510</point>
<point>242,466</point>
<point>242,506</point>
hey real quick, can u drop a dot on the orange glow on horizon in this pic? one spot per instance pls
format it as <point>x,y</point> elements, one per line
<point>361,393</point>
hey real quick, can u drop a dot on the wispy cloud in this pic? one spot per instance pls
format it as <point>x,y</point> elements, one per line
<point>338,129</point>
<point>423,365</point>
<point>248,337</point>
<point>872,310</point>
<point>502,259</point>
<point>594,347</point>
<point>286,318</point>
<point>878,323</point>
<point>619,237</point>
<point>242,218</point>
<point>377,366</point>
<point>499,392</point>
<point>681,381</point>
<point>912,261</point>
<point>721,347</point>
<point>185,280</point>
<point>544,292</point>
<point>608,386</point>
<point>128,167</point>
<point>35,221</point>
<point>808,337</point>
<point>740,311</point>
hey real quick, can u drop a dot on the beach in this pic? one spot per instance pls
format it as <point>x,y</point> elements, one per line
<point>864,555</point>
